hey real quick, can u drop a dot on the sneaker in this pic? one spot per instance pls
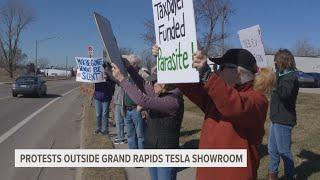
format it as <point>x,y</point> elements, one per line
<point>97,131</point>
<point>119,142</point>
<point>104,132</point>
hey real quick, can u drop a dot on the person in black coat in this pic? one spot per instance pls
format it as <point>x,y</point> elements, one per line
<point>283,114</point>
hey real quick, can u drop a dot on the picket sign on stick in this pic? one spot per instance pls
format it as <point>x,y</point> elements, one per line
<point>110,42</point>
<point>251,40</point>
<point>176,36</point>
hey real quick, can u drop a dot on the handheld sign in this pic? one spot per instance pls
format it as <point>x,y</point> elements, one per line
<point>251,40</point>
<point>109,41</point>
<point>89,70</point>
<point>176,36</point>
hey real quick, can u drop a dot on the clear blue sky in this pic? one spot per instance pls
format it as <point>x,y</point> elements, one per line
<point>283,22</point>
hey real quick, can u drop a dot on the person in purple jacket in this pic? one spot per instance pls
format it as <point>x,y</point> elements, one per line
<point>103,93</point>
<point>165,105</point>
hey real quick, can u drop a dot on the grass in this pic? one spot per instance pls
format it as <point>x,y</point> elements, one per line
<point>191,125</point>
<point>4,76</point>
<point>89,140</point>
<point>306,136</point>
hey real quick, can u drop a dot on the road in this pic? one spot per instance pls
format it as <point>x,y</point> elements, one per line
<point>39,123</point>
<point>310,90</point>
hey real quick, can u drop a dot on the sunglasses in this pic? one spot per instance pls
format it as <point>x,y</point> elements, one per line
<point>227,66</point>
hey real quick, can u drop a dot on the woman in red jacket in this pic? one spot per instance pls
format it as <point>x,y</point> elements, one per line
<point>235,106</point>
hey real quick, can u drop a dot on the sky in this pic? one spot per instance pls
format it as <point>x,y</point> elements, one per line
<point>283,22</point>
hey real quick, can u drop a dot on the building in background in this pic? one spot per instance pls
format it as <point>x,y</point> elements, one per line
<point>304,64</point>
<point>56,71</point>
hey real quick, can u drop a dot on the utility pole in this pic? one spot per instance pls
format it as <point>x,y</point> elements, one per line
<point>36,65</point>
<point>222,29</point>
<point>42,40</point>
<point>66,67</point>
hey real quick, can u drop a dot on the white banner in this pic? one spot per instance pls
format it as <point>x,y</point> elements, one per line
<point>90,70</point>
<point>176,36</point>
<point>251,40</point>
<point>130,158</point>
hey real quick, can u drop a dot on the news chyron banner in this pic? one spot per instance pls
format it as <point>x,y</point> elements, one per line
<point>175,32</point>
<point>130,158</point>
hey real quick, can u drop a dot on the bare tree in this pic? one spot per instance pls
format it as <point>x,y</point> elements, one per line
<point>43,63</point>
<point>148,60</point>
<point>14,18</point>
<point>304,48</point>
<point>208,13</point>
<point>125,51</point>
<point>269,50</point>
<point>149,35</point>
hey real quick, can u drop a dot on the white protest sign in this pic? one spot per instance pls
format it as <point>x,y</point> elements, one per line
<point>251,40</point>
<point>89,70</point>
<point>110,42</point>
<point>176,36</point>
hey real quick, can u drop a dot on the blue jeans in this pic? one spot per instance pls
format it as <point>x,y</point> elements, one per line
<point>102,115</point>
<point>163,173</point>
<point>135,126</point>
<point>280,146</point>
<point>119,121</point>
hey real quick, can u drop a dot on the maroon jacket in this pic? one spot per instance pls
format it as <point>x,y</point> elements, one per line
<point>234,119</point>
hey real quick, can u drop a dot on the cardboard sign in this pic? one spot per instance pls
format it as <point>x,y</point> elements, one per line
<point>90,70</point>
<point>176,36</point>
<point>251,40</point>
<point>109,41</point>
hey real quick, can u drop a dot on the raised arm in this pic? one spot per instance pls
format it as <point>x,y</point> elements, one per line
<point>140,82</point>
<point>166,104</point>
<point>244,108</point>
<point>196,94</point>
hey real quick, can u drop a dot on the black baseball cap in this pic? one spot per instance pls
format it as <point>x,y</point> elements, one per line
<point>238,57</point>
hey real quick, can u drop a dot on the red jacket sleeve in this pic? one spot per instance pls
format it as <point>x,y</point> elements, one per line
<point>244,108</point>
<point>196,94</point>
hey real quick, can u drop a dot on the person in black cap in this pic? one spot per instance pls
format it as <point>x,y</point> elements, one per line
<point>235,106</point>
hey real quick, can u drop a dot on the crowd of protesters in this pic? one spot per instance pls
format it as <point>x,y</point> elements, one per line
<point>234,99</point>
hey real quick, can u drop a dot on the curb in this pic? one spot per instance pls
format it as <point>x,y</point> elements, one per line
<point>5,83</point>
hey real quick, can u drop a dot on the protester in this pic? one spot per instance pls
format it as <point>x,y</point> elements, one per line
<point>102,95</point>
<point>283,114</point>
<point>235,106</point>
<point>133,119</point>
<point>165,104</point>
<point>119,114</point>
<point>144,73</point>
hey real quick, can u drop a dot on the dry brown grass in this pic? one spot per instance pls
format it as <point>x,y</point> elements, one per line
<point>89,140</point>
<point>4,76</point>
<point>306,136</point>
